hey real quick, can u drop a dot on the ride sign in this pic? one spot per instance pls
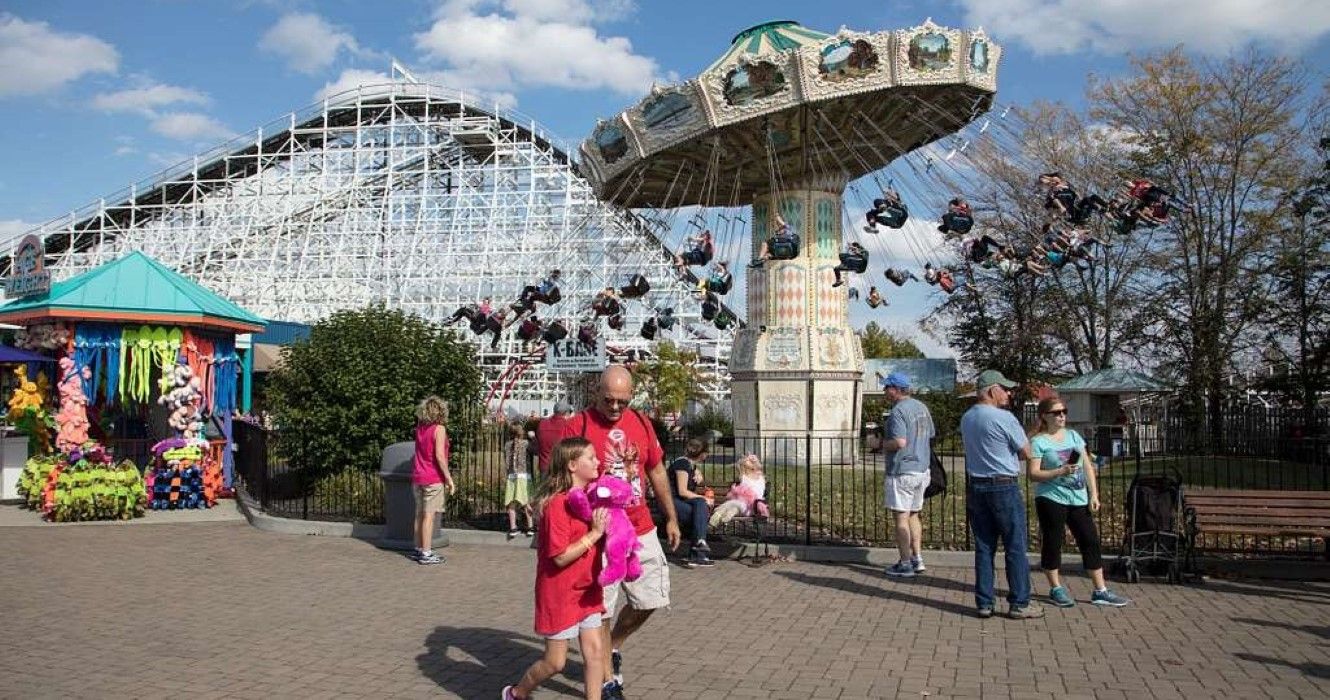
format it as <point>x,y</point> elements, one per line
<point>30,276</point>
<point>571,355</point>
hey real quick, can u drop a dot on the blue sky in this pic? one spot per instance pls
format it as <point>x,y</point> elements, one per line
<point>96,95</point>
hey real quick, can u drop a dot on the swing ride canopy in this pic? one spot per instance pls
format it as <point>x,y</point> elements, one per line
<point>134,288</point>
<point>786,103</point>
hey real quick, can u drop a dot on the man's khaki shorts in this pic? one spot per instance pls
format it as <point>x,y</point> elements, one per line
<point>431,498</point>
<point>652,589</point>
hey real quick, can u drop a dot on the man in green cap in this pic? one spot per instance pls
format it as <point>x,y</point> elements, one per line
<point>995,449</point>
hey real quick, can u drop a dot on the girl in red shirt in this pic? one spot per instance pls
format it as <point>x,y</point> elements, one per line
<point>569,603</point>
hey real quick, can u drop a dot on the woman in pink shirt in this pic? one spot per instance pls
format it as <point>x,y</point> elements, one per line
<point>430,474</point>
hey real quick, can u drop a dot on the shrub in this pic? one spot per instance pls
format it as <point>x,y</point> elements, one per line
<point>351,389</point>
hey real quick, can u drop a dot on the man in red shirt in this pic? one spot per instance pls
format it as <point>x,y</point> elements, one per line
<point>549,432</point>
<point>626,446</point>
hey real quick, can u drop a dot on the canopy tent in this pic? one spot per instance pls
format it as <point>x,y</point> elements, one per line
<point>133,289</point>
<point>9,355</point>
<point>1112,380</point>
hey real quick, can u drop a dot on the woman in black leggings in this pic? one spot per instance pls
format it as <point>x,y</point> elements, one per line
<point>1066,494</point>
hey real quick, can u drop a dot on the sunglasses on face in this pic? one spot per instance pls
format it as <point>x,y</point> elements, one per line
<point>1059,412</point>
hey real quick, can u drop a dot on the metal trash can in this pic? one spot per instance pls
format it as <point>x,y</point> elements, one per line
<point>872,437</point>
<point>399,499</point>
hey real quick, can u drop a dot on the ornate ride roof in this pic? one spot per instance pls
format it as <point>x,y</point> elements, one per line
<point>786,102</point>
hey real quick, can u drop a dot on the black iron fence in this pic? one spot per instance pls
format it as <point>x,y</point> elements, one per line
<point>826,490</point>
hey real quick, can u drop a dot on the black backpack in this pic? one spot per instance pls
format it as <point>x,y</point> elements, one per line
<point>937,476</point>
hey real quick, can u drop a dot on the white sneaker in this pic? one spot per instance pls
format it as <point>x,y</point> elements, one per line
<point>918,563</point>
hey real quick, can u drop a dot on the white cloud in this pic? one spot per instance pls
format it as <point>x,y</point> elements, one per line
<point>189,125</point>
<point>35,59</point>
<point>351,79</point>
<point>530,43</point>
<point>307,42</point>
<point>11,229</point>
<point>147,99</point>
<point>1215,26</point>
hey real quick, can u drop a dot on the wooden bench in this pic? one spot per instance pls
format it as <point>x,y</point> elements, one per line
<point>756,521</point>
<point>1256,513</point>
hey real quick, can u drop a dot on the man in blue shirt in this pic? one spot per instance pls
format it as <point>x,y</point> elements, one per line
<point>908,431</point>
<point>995,449</point>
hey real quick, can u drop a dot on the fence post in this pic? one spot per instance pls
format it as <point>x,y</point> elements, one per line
<point>808,488</point>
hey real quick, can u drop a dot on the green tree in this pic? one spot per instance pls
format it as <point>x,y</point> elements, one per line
<point>670,378</point>
<point>1226,136</point>
<point>352,388</point>
<point>880,343</point>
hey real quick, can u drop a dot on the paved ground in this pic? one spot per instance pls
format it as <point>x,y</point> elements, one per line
<point>223,610</point>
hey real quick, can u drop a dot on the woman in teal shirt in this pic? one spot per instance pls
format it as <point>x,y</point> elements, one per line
<point>1066,493</point>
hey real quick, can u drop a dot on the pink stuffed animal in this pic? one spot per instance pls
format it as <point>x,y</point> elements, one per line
<point>621,545</point>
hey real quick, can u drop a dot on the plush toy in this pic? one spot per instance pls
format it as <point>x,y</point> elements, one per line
<point>621,545</point>
<point>183,399</point>
<point>72,420</point>
<point>42,337</point>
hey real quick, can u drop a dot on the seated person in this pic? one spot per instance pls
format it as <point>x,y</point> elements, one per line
<point>665,319</point>
<point>529,329</point>
<point>700,250</point>
<point>854,259</point>
<point>946,281</point>
<point>719,281</point>
<point>723,320</point>
<point>958,218</point>
<point>649,329</point>
<point>710,307</point>
<point>931,274</point>
<point>746,495</point>
<point>615,322</point>
<point>899,277</point>
<point>636,288</point>
<point>888,211</point>
<point>875,298</point>
<point>467,312</point>
<point>606,303</point>
<point>547,292</point>
<point>554,332</point>
<point>783,244</point>
<point>980,248</point>
<point>586,335</point>
<point>494,324</point>
<point>692,508</point>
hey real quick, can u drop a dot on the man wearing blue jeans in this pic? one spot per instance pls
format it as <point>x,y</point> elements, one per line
<point>995,449</point>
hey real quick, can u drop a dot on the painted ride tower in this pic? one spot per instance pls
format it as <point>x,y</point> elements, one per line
<point>783,121</point>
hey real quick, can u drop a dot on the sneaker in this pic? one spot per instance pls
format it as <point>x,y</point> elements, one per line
<point>757,263</point>
<point>838,283</point>
<point>901,569</point>
<point>1027,612</point>
<point>508,693</point>
<point>1061,597</point>
<point>870,229</point>
<point>984,613</point>
<point>918,563</point>
<point>1109,598</point>
<point>529,531</point>
<point>702,546</point>
<point>414,555</point>
<point>429,558</point>
<point>700,558</point>
<point>612,691</point>
<point>616,668</point>
<point>512,534</point>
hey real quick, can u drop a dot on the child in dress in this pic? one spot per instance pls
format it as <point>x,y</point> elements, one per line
<point>517,491</point>
<point>745,497</point>
<point>569,602</point>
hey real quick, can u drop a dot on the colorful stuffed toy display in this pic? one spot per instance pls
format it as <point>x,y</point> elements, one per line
<point>183,396</point>
<point>27,410</point>
<point>72,420</point>
<point>621,545</point>
<point>182,476</point>
<point>82,485</point>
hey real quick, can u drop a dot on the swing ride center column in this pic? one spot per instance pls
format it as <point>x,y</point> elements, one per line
<point>795,368</point>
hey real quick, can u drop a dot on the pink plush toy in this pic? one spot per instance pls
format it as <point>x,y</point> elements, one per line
<point>72,420</point>
<point>621,545</point>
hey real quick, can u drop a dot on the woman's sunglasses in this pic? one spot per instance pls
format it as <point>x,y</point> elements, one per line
<point>1059,412</point>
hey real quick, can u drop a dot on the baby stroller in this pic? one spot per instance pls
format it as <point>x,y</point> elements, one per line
<point>1154,542</point>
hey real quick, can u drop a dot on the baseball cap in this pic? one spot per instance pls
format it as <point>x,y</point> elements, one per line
<point>563,407</point>
<point>989,377</point>
<point>897,380</point>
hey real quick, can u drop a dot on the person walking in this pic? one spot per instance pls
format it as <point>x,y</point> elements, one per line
<point>691,506</point>
<point>569,604</point>
<point>995,447</point>
<point>1066,494</point>
<point>908,432</point>
<point>626,445</point>
<point>517,486</point>
<point>430,476</point>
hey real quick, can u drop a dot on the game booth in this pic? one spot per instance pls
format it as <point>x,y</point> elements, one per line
<point>146,374</point>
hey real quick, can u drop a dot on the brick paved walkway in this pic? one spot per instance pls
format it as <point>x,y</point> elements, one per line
<point>222,610</point>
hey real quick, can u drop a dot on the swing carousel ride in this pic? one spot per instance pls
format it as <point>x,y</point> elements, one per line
<point>770,136</point>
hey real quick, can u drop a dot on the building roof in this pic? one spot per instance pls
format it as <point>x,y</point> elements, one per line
<point>767,39</point>
<point>1113,381</point>
<point>137,289</point>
